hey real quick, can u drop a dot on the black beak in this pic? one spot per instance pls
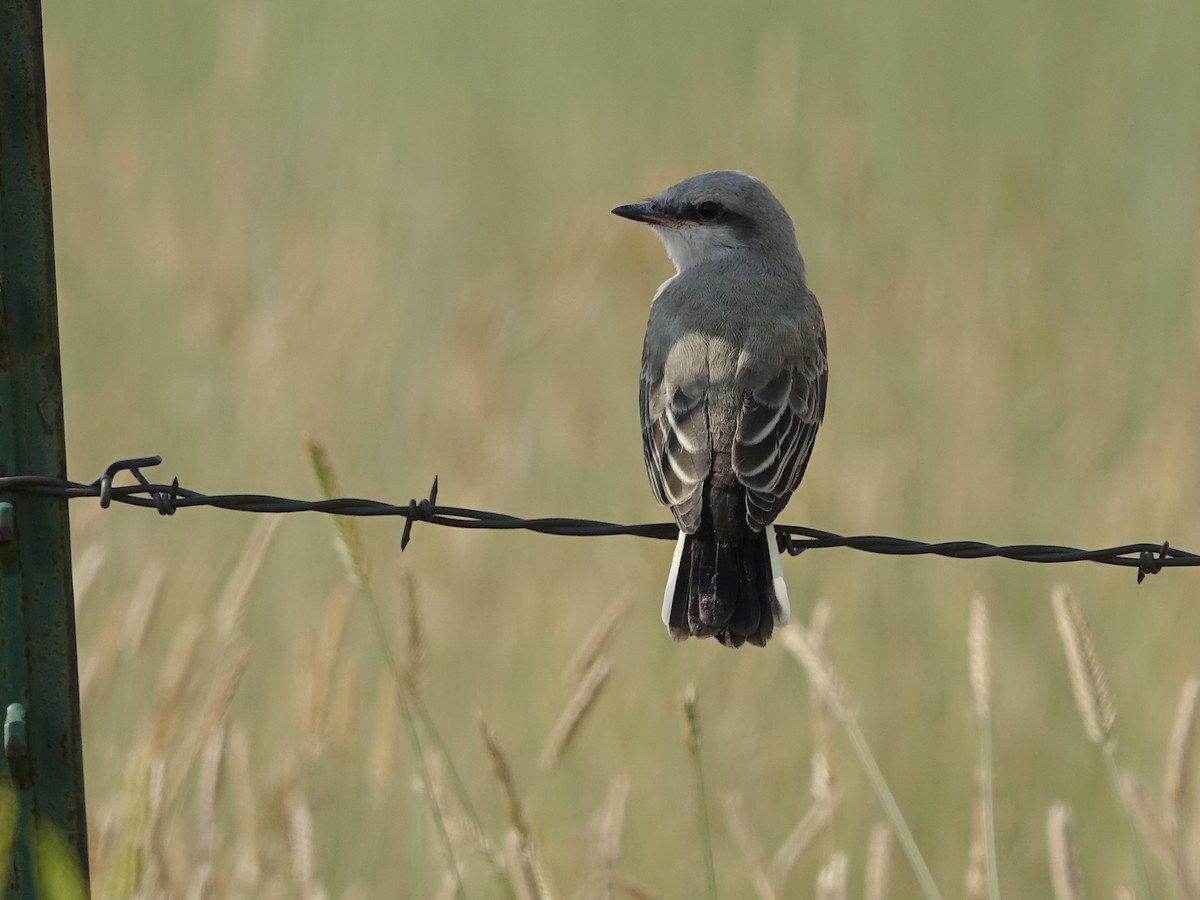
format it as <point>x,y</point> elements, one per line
<point>648,212</point>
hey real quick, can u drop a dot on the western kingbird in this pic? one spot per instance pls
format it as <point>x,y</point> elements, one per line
<point>732,392</point>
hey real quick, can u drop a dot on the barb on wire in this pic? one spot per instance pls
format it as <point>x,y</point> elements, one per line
<point>1147,558</point>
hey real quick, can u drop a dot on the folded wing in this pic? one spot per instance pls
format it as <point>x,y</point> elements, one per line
<point>775,433</point>
<point>677,446</point>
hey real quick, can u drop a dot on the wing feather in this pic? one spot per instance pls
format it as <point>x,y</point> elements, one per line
<point>776,431</point>
<point>676,446</point>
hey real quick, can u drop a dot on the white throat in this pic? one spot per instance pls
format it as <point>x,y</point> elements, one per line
<point>688,245</point>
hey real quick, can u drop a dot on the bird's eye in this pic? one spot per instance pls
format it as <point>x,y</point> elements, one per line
<point>709,209</point>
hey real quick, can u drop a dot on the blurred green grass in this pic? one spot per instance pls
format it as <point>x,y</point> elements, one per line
<point>386,225</point>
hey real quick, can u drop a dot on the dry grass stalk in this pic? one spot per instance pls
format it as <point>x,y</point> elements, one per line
<point>200,880</point>
<point>1094,702</point>
<point>528,875</point>
<point>632,889</point>
<point>84,570</point>
<point>350,548</point>
<point>125,830</point>
<point>175,683</point>
<point>578,706</point>
<point>349,543</point>
<point>447,888</point>
<point>249,867</point>
<point>541,879</point>
<point>1177,783</point>
<point>1064,865</point>
<point>208,792</point>
<point>818,627</point>
<point>519,875</point>
<point>414,662</point>
<point>1088,683</point>
<point>750,845</point>
<point>801,837</point>
<point>381,757</point>
<point>607,826</point>
<point>101,832</point>
<point>975,880</point>
<point>222,695</point>
<point>300,847</point>
<point>460,830</point>
<point>1153,825</point>
<point>979,657</point>
<point>343,710</point>
<point>150,846</point>
<point>878,878</point>
<point>433,785</point>
<point>831,880</point>
<point>818,636</point>
<point>98,664</point>
<point>1125,893</point>
<point>821,673</point>
<point>691,716</point>
<point>214,717</point>
<point>84,519</point>
<point>979,667</point>
<point>142,603</point>
<point>597,641</point>
<point>321,673</point>
<point>466,833</point>
<point>820,784</point>
<point>232,604</point>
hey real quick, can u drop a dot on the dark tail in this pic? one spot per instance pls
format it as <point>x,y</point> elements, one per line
<point>730,590</point>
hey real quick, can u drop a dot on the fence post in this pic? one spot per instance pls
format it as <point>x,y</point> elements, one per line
<point>39,675</point>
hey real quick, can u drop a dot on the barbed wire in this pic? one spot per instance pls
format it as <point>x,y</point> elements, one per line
<point>1147,558</point>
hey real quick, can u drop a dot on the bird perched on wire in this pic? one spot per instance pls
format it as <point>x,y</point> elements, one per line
<point>733,384</point>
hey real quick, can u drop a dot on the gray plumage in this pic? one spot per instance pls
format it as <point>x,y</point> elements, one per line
<point>733,386</point>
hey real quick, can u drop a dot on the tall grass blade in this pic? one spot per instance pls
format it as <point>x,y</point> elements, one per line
<point>980,668</point>
<point>822,673</point>
<point>691,716</point>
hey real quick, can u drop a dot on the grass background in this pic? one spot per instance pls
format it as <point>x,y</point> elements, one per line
<point>387,225</point>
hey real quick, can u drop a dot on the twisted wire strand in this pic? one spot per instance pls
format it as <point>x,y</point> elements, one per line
<point>1147,558</point>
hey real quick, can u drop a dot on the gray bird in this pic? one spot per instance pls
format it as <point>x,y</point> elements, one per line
<point>732,392</point>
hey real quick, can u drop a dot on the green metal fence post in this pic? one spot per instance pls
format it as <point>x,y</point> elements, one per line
<point>39,676</point>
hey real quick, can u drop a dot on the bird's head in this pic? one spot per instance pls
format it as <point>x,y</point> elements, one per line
<point>709,216</point>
